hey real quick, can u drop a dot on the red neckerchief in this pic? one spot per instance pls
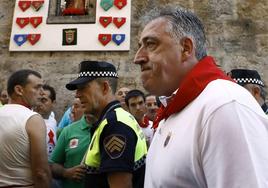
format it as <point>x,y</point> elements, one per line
<point>145,122</point>
<point>191,86</point>
<point>24,104</point>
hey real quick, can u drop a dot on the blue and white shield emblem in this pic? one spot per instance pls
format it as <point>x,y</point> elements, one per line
<point>118,38</point>
<point>20,39</point>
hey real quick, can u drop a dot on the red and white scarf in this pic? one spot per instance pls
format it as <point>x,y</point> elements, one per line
<point>145,122</point>
<point>191,86</point>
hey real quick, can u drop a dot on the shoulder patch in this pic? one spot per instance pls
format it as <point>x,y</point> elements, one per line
<point>114,145</point>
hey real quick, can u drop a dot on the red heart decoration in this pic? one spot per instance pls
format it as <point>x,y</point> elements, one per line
<point>120,3</point>
<point>24,5</point>
<point>119,21</point>
<point>105,38</point>
<point>37,5</point>
<point>105,20</point>
<point>35,21</point>
<point>33,38</point>
<point>22,22</point>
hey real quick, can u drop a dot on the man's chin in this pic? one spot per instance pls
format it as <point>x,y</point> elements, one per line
<point>89,111</point>
<point>145,86</point>
<point>149,88</point>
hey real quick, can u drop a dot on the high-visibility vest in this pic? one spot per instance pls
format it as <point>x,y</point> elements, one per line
<point>93,157</point>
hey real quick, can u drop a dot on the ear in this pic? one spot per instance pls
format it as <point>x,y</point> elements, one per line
<point>256,91</point>
<point>187,48</point>
<point>18,90</point>
<point>106,87</point>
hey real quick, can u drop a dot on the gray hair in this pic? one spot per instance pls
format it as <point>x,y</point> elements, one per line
<point>111,80</point>
<point>263,93</point>
<point>183,23</point>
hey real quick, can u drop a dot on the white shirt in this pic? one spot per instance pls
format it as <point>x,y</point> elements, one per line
<point>148,132</point>
<point>15,164</point>
<point>219,140</point>
<point>51,139</point>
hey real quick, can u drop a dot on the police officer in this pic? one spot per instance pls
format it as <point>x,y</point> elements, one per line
<point>117,152</point>
<point>251,80</point>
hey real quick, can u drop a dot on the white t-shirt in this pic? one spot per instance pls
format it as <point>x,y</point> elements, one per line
<point>15,166</point>
<point>219,140</point>
<point>148,132</point>
<point>51,125</point>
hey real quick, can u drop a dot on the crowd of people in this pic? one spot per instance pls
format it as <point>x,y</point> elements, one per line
<point>196,127</point>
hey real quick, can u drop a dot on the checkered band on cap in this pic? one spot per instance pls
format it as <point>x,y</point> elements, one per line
<point>90,70</point>
<point>97,74</point>
<point>248,81</point>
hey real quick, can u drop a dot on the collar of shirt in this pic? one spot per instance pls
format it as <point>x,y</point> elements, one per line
<point>84,124</point>
<point>265,108</point>
<point>165,100</point>
<point>112,105</point>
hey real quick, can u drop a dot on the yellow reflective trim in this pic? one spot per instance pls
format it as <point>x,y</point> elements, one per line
<point>126,118</point>
<point>93,154</point>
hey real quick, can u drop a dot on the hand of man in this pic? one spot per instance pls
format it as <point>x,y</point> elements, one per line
<point>75,173</point>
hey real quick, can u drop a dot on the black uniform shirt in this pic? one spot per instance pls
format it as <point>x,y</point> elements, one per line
<point>117,150</point>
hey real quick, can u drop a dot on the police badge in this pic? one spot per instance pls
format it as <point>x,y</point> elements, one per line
<point>115,145</point>
<point>69,37</point>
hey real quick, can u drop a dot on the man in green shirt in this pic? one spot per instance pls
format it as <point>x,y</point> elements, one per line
<point>69,152</point>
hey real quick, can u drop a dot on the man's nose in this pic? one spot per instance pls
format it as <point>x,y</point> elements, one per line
<point>77,94</point>
<point>139,106</point>
<point>41,91</point>
<point>140,57</point>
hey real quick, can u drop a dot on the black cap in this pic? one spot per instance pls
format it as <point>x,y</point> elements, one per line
<point>246,76</point>
<point>90,70</point>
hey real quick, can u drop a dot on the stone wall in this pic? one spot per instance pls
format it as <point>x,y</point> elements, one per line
<point>237,36</point>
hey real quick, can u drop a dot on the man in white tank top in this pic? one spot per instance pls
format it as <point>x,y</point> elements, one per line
<point>23,159</point>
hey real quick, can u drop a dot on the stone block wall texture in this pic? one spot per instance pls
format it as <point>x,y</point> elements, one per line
<point>237,36</point>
